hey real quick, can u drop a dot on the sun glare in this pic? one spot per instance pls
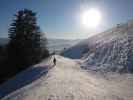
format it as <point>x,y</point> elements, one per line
<point>90,18</point>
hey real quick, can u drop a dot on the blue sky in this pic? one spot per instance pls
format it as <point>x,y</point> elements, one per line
<point>60,18</point>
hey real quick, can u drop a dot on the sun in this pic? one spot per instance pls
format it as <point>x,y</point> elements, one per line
<point>91,18</point>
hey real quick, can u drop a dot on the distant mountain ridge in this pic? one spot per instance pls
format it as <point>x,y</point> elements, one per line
<point>60,44</point>
<point>3,41</point>
<point>53,44</point>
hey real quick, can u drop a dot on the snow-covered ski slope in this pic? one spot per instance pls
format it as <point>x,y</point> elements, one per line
<point>67,81</point>
<point>113,47</point>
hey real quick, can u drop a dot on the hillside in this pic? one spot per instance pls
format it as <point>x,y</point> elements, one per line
<point>102,55</point>
<point>66,81</point>
<point>113,47</point>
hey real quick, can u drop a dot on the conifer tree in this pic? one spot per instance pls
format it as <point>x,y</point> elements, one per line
<point>26,43</point>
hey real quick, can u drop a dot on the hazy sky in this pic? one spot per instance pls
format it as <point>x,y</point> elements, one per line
<point>61,18</point>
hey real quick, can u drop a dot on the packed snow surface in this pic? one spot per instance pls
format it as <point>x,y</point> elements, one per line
<point>67,81</point>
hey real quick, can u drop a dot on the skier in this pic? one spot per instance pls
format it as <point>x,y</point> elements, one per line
<point>54,61</point>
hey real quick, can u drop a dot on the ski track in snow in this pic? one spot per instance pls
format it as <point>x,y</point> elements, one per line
<point>67,81</point>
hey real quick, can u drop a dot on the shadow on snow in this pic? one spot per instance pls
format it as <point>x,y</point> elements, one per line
<point>24,78</point>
